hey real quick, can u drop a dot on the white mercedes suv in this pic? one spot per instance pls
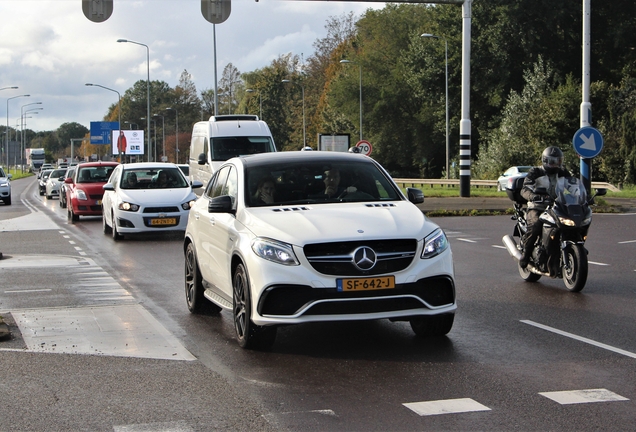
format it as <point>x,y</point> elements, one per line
<point>295,237</point>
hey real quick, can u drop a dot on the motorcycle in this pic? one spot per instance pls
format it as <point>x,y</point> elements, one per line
<point>559,251</point>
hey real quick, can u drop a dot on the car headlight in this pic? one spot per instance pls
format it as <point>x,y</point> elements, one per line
<point>272,250</point>
<point>126,206</point>
<point>188,205</point>
<point>81,194</point>
<point>434,244</point>
<point>4,184</point>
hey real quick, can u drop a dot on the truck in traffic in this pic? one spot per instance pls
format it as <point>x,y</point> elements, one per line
<point>35,158</point>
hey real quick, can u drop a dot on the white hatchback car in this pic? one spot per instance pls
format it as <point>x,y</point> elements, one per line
<point>146,197</point>
<point>53,183</point>
<point>295,237</point>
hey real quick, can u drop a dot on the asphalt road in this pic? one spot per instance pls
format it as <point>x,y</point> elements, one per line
<point>520,356</point>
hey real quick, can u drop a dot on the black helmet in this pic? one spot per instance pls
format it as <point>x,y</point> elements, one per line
<point>552,159</point>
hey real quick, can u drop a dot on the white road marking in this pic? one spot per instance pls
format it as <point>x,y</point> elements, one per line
<point>448,406</point>
<point>627,241</point>
<point>583,396</point>
<point>499,247</point>
<point>175,426</point>
<point>27,291</point>
<point>121,331</point>
<point>597,263</point>
<point>581,339</point>
<point>466,240</point>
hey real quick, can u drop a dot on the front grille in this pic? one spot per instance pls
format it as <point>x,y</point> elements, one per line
<point>96,197</point>
<point>167,209</point>
<point>287,300</point>
<point>337,258</point>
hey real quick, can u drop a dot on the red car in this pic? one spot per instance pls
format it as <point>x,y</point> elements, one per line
<point>84,190</point>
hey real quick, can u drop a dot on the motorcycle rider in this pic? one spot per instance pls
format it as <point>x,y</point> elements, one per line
<point>544,176</point>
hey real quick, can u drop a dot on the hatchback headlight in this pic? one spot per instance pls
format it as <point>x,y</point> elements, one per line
<point>188,205</point>
<point>272,250</point>
<point>126,206</point>
<point>434,244</point>
<point>4,184</point>
<point>80,194</point>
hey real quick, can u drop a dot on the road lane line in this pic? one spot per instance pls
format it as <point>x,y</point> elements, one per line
<point>580,339</point>
<point>466,240</point>
<point>597,263</point>
<point>583,396</point>
<point>448,406</point>
<point>627,241</point>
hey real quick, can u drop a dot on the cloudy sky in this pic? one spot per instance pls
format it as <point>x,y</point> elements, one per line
<point>49,49</point>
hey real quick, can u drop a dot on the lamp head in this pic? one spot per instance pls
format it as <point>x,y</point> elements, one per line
<point>122,40</point>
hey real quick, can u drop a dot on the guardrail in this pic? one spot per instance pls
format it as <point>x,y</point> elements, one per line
<point>405,182</point>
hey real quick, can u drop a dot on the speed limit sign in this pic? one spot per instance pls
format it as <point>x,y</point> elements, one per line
<point>365,147</point>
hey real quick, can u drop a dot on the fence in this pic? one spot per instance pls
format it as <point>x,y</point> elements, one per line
<point>452,183</point>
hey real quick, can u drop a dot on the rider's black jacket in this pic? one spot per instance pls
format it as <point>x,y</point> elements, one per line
<point>539,178</point>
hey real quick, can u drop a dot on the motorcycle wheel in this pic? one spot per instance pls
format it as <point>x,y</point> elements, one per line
<point>575,268</point>
<point>527,275</point>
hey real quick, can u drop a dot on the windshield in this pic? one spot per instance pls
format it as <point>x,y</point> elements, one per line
<point>225,148</point>
<point>153,178</point>
<point>570,190</point>
<point>94,174</point>
<point>317,182</point>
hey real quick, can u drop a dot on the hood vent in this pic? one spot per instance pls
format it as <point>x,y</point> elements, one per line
<point>381,205</point>
<point>288,209</point>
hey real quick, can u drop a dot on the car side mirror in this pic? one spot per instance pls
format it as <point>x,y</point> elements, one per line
<point>416,196</point>
<point>196,184</point>
<point>68,181</point>
<point>9,176</point>
<point>108,187</point>
<point>202,159</point>
<point>220,204</point>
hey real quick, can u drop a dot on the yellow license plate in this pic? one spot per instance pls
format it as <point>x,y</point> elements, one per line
<point>366,284</point>
<point>99,202</point>
<point>163,221</point>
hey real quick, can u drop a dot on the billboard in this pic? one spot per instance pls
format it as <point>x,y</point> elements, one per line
<point>132,142</point>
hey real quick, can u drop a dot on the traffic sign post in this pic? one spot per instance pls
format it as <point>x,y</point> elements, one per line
<point>588,142</point>
<point>97,10</point>
<point>365,147</point>
<point>216,11</point>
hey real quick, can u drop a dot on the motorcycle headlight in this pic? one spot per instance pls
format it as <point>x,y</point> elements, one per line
<point>434,244</point>
<point>566,221</point>
<point>272,250</point>
<point>81,195</point>
<point>126,206</point>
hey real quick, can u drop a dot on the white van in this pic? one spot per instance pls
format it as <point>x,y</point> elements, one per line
<point>224,137</point>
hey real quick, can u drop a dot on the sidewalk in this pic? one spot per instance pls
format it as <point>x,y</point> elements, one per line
<point>501,204</point>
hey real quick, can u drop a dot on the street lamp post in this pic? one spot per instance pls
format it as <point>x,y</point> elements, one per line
<point>119,121</point>
<point>260,102</point>
<point>302,88</point>
<point>446,73</point>
<point>163,138</point>
<point>176,147</point>
<point>23,115</point>
<point>360,66</point>
<point>147,86</point>
<point>6,132</point>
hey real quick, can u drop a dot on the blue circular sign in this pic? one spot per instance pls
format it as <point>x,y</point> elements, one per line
<point>588,142</point>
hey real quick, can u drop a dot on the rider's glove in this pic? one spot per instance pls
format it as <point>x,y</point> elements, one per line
<point>540,198</point>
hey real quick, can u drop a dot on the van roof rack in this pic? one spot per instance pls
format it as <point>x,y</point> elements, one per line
<point>234,117</point>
